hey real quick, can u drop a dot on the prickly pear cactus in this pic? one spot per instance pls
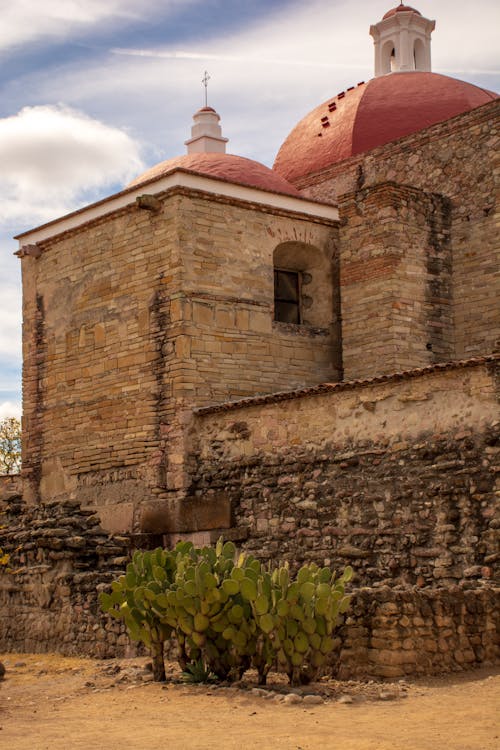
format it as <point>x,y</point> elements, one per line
<point>139,599</point>
<point>227,612</point>
<point>308,610</point>
<point>212,619</point>
<point>295,619</point>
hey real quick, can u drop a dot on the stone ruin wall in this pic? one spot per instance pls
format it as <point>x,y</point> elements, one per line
<point>61,559</point>
<point>395,633</point>
<point>458,160</point>
<point>51,604</point>
<point>397,476</point>
<point>413,511</point>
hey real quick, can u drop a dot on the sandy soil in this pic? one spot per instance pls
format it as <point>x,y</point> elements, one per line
<point>53,703</point>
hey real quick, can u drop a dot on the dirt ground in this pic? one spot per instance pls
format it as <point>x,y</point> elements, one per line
<point>50,702</point>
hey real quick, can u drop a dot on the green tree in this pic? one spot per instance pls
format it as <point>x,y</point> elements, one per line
<point>10,445</point>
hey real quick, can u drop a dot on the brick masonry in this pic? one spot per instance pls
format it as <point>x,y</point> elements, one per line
<point>459,161</point>
<point>132,318</point>
<point>395,280</point>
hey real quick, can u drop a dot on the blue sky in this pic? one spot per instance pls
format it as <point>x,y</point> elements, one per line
<point>94,91</point>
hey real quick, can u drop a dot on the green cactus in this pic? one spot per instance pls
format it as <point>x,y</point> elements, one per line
<point>208,610</point>
<point>227,612</point>
<point>297,618</point>
<point>139,599</point>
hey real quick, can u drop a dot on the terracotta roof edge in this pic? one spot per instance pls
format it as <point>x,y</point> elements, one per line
<point>324,388</point>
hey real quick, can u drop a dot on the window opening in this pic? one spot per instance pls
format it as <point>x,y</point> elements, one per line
<point>393,60</point>
<point>286,296</point>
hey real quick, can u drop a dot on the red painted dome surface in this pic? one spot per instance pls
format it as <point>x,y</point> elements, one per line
<point>382,110</point>
<point>227,167</point>
<point>401,9</point>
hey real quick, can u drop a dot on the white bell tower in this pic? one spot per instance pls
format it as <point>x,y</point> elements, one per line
<point>402,41</point>
<point>206,133</point>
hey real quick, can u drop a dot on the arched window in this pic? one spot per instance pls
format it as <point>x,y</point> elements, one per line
<point>388,57</point>
<point>393,60</point>
<point>303,285</point>
<point>419,55</point>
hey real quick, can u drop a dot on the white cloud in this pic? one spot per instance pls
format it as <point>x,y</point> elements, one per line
<point>10,328</point>
<point>332,35</point>
<point>52,156</point>
<point>265,76</point>
<point>28,20</point>
<point>10,409</point>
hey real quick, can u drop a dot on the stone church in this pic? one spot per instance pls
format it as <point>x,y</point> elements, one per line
<point>303,358</point>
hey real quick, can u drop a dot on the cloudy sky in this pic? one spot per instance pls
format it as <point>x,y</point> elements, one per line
<point>93,91</point>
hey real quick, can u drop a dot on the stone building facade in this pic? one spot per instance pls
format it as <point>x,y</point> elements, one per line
<point>304,359</point>
<point>142,314</point>
<point>137,316</point>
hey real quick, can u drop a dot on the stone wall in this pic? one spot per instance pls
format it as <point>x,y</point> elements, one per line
<point>396,476</point>
<point>60,558</point>
<point>10,484</point>
<point>230,346</point>
<point>395,280</point>
<point>132,318</point>
<point>95,307</point>
<point>390,633</point>
<point>460,160</point>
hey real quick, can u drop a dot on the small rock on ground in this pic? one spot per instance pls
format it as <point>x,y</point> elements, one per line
<point>292,698</point>
<point>313,700</point>
<point>344,699</point>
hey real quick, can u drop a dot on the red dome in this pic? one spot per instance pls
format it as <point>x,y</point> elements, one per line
<point>382,110</point>
<point>225,167</point>
<point>399,9</point>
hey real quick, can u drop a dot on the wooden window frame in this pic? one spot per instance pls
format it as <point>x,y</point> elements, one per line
<point>296,302</point>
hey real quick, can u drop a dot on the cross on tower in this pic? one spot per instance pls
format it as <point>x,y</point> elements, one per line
<point>205,81</point>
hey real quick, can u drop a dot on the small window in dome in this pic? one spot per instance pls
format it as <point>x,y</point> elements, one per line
<point>393,60</point>
<point>419,55</point>
<point>286,296</point>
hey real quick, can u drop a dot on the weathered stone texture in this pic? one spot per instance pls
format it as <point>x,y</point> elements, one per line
<point>61,558</point>
<point>92,400</point>
<point>413,511</point>
<point>230,346</point>
<point>10,485</point>
<point>132,318</point>
<point>398,478</point>
<point>395,280</point>
<point>390,633</point>
<point>459,160</point>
